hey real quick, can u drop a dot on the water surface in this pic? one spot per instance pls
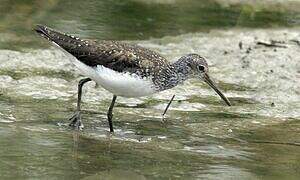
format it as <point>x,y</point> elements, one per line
<point>257,138</point>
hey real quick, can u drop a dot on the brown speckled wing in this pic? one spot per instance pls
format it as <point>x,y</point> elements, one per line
<point>121,57</point>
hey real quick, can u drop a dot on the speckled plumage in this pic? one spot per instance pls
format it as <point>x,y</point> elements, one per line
<point>125,58</point>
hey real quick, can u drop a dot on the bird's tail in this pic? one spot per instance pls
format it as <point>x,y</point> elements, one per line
<point>61,39</point>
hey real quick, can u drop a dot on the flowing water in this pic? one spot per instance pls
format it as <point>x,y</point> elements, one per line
<point>257,138</point>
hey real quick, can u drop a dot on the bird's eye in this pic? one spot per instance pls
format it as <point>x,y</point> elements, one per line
<point>201,68</point>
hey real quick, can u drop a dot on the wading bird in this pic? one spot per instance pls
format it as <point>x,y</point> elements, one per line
<point>126,70</point>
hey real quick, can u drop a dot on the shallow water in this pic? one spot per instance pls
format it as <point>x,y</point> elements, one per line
<point>257,138</point>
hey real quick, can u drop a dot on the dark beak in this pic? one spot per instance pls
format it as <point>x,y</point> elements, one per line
<point>213,85</point>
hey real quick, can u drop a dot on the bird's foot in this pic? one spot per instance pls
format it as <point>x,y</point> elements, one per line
<point>76,121</point>
<point>163,118</point>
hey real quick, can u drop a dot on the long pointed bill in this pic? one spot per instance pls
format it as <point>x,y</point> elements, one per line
<point>213,85</point>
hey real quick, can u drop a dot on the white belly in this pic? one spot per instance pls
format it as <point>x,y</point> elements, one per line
<point>123,84</point>
<point>120,84</point>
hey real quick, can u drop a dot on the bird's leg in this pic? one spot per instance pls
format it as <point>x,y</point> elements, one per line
<point>110,113</point>
<point>163,115</point>
<point>76,118</point>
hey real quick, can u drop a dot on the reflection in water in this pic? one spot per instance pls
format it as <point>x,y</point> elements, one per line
<point>76,135</point>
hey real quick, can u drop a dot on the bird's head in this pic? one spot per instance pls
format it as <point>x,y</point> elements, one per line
<point>199,69</point>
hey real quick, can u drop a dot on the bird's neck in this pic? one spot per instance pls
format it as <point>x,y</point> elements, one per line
<point>182,69</point>
<point>174,74</point>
